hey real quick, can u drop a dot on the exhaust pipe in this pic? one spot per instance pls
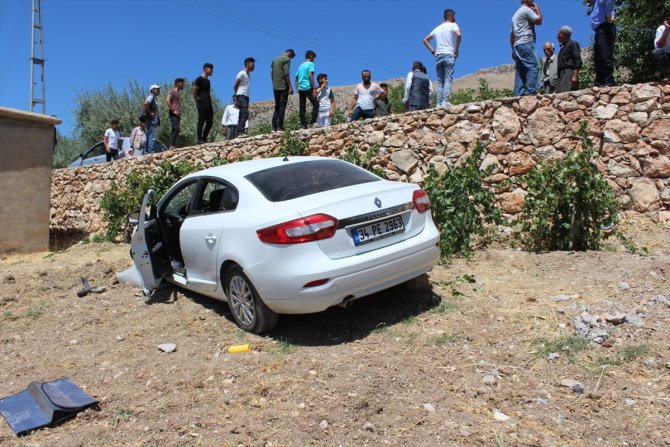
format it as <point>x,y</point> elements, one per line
<point>347,302</point>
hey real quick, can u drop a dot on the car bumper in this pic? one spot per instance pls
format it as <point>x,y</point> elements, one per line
<point>283,290</point>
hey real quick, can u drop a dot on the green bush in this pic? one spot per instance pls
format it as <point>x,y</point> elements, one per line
<point>568,203</point>
<point>123,198</point>
<point>290,145</point>
<point>363,159</point>
<point>460,203</point>
<point>483,93</point>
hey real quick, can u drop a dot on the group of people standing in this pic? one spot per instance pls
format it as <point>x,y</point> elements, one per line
<point>558,73</point>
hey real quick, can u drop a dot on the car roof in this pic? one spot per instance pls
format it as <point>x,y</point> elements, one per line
<point>240,169</point>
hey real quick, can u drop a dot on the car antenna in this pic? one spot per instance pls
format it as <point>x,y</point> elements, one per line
<point>285,158</point>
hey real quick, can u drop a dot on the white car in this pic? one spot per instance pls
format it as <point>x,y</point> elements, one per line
<point>283,236</point>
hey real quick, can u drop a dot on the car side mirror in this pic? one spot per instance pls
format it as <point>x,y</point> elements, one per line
<point>134,217</point>
<point>81,155</point>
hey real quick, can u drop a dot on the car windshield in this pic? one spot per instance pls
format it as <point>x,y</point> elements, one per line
<point>295,180</point>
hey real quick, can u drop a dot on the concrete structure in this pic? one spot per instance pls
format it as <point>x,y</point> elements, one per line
<point>629,125</point>
<point>26,150</point>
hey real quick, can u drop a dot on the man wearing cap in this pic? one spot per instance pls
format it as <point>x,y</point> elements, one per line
<point>241,88</point>
<point>152,118</point>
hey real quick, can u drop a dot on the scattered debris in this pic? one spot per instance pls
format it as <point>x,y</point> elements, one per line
<point>636,319</point>
<point>429,408</point>
<point>239,349</point>
<point>489,379</point>
<point>553,356</point>
<point>9,279</point>
<point>369,426</point>
<point>575,385</point>
<point>500,416</point>
<point>616,319</point>
<point>565,297</point>
<point>324,424</point>
<point>167,347</point>
<point>623,286</point>
<point>43,405</point>
<point>630,401</point>
<point>86,289</point>
<point>591,328</point>
<point>119,338</point>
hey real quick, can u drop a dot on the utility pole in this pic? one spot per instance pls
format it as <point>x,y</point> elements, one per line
<point>37,57</point>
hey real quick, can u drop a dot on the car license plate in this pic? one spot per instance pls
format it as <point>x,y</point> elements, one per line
<point>378,230</point>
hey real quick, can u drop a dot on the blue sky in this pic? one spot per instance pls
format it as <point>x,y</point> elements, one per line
<point>90,43</point>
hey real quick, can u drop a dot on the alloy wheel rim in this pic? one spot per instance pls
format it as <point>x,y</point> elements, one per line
<point>242,300</point>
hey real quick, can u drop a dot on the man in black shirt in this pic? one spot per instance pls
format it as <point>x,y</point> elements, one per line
<point>203,102</point>
<point>569,61</point>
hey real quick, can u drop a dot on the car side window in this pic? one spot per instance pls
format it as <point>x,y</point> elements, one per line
<point>96,151</point>
<point>215,197</point>
<point>180,201</point>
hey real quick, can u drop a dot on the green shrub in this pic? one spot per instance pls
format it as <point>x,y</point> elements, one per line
<point>483,93</point>
<point>363,159</point>
<point>122,198</point>
<point>568,203</point>
<point>460,203</point>
<point>290,145</point>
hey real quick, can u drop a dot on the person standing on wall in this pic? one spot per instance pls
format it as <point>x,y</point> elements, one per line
<point>549,68</point>
<point>326,100</point>
<point>602,23</point>
<point>203,102</point>
<point>569,61</point>
<point>418,89</point>
<point>173,100</point>
<point>241,88</point>
<point>111,139</point>
<point>306,86</point>
<point>448,39</point>
<point>522,41</point>
<point>138,138</point>
<point>152,118</point>
<point>281,84</point>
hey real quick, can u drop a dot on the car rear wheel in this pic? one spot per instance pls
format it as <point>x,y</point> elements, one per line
<point>249,311</point>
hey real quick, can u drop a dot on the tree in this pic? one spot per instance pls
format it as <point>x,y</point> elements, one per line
<point>96,108</point>
<point>637,21</point>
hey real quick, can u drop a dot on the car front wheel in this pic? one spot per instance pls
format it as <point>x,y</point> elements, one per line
<point>249,311</point>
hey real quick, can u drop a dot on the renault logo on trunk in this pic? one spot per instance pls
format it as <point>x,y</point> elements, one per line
<point>378,202</point>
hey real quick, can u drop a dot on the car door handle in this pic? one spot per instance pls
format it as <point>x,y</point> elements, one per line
<point>210,238</point>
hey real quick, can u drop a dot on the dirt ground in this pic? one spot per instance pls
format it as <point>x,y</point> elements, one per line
<point>472,362</point>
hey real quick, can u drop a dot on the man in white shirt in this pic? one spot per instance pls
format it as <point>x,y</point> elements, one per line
<point>363,103</point>
<point>661,51</point>
<point>112,139</point>
<point>549,68</point>
<point>241,88</point>
<point>448,40</point>
<point>231,116</point>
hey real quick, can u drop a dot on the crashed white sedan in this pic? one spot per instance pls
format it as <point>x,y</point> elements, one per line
<point>284,236</point>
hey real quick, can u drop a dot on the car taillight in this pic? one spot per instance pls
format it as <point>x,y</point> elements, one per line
<point>308,229</point>
<point>421,200</point>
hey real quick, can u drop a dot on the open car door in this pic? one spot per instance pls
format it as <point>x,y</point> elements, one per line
<point>147,248</point>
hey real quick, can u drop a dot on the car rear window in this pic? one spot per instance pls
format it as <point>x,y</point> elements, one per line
<point>294,180</point>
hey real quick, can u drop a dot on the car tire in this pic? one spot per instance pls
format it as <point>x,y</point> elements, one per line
<point>249,311</point>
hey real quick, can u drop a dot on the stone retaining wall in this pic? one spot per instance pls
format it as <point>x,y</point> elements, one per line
<point>629,124</point>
